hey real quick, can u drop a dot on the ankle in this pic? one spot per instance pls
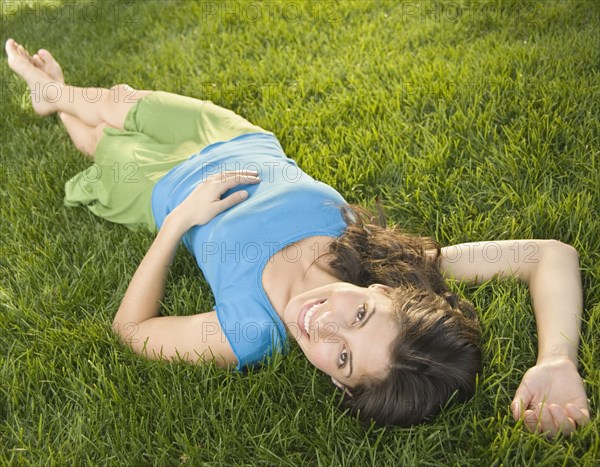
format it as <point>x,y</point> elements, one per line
<point>45,96</point>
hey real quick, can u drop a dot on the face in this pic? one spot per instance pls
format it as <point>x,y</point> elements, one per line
<point>344,330</point>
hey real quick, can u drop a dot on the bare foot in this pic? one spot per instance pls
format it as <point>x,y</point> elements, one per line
<point>46,62</point>
<point>44,90</point>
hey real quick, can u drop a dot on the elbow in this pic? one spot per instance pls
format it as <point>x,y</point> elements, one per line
<point>117,328</point>
<point>558,255</point>
<point>551,255</point>
<point>125,332</point>
<point>122,329</point>
<point>122,322</point>
<point>564,249</point>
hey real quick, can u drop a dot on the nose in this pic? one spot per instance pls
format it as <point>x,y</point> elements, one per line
<point>327,327</point>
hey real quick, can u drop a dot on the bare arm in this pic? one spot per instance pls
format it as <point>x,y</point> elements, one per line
<point>195,338</point>
<point>551,270</point>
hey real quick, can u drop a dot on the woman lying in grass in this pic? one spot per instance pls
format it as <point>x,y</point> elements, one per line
<point>286,257</point>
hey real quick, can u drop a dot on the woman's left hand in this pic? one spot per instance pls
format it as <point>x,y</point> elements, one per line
<point>204,202</point>
<point>551,398</point>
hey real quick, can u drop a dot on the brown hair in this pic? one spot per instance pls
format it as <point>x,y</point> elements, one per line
<point>436,352</point>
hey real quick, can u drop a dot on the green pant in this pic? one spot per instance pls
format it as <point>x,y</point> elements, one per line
<point>161,130</point>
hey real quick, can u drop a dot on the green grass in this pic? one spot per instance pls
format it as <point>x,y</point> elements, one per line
<point>472,126</point>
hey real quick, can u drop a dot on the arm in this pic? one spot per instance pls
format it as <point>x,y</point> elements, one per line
<point>551,270</point>
<point>137,322</point>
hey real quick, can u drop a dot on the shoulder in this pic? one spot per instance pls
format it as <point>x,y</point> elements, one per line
<point>252,330</point>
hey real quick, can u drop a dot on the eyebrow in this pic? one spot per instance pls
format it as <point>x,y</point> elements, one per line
<point>350,352</point>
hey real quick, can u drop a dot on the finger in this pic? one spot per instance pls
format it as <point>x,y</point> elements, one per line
<point>546,424</point>
<point>233,181</point>
<point>227,174</point>
<point>245,171</point>
<point>565,424</point>
<point>530,420</point>
<point>232,200</point>
<point>521,401</point>
<point>517,408</point>
<point>581,416</point>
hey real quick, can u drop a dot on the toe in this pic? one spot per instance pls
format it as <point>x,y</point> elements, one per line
<point>8,47</point>
<point>37,61</point>
<point>48,58</point>
<point>22,51</point>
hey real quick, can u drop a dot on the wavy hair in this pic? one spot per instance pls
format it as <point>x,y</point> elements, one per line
<point>437,352</point>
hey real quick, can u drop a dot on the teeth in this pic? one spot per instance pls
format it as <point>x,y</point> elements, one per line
<point>308,315</point>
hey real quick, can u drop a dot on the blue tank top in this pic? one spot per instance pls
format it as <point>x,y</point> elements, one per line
<point>232,250</point>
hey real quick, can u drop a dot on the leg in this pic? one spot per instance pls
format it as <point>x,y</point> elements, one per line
<point>171,119</point>
<point>84,137</point>
<point>93,106</point>
<point>167,118</point>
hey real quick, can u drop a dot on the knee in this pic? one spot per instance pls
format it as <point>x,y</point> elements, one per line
<point>85,147</point>
<point>121,87</point>
<point>121,93</point>
<point>92,143</point>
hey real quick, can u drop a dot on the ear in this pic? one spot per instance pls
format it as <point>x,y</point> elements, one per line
<point>337,383</point>
<point>386,289</point>
<point>341,386</point>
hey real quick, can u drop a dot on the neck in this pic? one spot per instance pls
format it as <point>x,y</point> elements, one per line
<point>314,274</point>
<point>285,279</point>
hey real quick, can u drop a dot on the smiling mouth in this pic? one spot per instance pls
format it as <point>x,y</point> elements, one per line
<point>306,315</point>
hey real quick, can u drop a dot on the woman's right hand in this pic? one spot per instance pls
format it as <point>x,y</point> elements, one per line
<point>204,202</point>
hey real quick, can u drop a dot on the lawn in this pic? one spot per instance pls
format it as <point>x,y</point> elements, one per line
<point>468,121</point>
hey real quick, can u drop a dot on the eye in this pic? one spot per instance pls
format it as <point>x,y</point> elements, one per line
<point>343,359</point>
<point>361,313</point>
